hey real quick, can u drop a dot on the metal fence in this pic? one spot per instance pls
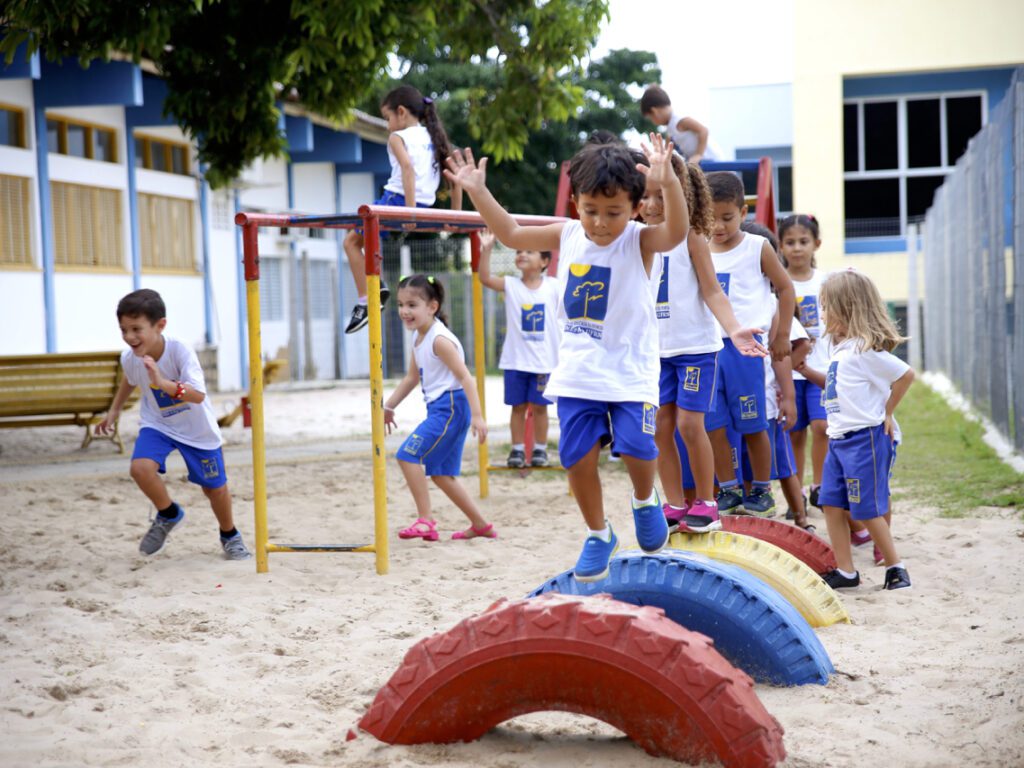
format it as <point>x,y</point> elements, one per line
<point>974,270</point>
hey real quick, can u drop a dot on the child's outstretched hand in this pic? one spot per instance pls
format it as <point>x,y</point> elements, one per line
<point>659,154</point>
<point>479,427</point>
<point>389,419</point>
<point>464,171</point>
<point>487,240</point>
<point>106,427</point>
<point>746,343</point>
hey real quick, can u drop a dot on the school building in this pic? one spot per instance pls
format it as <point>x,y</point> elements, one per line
<point>101,194</point>
<point>886,96</point>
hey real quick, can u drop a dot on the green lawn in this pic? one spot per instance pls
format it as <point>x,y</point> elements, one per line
<point>944,462</point>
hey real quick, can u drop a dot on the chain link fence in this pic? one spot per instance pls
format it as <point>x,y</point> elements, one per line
<point>974,270</point>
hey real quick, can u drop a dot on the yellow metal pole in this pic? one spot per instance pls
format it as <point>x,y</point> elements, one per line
<point>371,240</point>
<point>250,234</point>
<point>479,354</point>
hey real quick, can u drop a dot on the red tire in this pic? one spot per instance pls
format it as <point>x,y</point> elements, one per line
<point>815,552</point>
<point>664,686</point>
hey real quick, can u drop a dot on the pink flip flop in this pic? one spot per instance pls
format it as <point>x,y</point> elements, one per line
<point>487,532</point>
<point>421,529</point>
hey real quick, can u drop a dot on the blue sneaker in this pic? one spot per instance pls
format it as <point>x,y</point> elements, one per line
<point>592,564</point>
<point>730,501</point>
<point>651,526</point>
<point>759,503</point>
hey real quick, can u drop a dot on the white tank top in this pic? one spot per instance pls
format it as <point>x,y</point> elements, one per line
<point>685,323</point>
<point>531,326</point>
<point>749,291</point>
<point>436,378</point>
<point>686,141</point>
<point>810,317</point>
<point>421,151</point>
<point>609,346</point>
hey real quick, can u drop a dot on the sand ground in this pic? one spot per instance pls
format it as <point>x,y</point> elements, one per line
<point>184,659</point>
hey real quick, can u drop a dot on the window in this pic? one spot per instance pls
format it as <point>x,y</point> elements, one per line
<point>898,151</point>
<point>222,210</point>
<point>321,294</point>
<point>88,225</point>
<point>167,233</point>
<point>162,155</point>
<point>271,289</point>
<point>78,139</point>
<point>12,126</point>
<point>15,241</point>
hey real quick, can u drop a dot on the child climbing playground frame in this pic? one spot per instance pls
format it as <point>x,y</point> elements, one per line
<point>373,219</point>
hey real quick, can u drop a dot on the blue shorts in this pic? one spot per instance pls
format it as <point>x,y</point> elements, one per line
<point>735,451</point>
<point>688,381</point>
<point>393,199</point>
<point>583,423</point>
<point>523,387</point>
<point>808,403</point>
<point>438,441</point>
<point>739,393</point>
<point>205,466</point>
<point>856,473</point>
<point>783,459</point>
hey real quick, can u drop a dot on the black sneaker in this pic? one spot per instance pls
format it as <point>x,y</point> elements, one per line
<point>516,459</point>
<point>360,317</point>
<point>836,580</point>
<point>790,515</point>
<point>539,458</point>
<point>385,294</point>
<point>730,502</point>
<point>814,496</point>
<point>896,578</point>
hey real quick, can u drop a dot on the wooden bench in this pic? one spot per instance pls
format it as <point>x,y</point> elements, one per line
<point>60,389</point>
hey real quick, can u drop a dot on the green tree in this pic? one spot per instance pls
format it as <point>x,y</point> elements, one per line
<point>227,63</point>
<point>528,185</point>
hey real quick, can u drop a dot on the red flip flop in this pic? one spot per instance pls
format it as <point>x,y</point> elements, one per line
<point>421,529</point>
<point>487,532</point>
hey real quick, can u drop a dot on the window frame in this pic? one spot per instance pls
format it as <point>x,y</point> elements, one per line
<point>903,172</point>
<point>90,142</point>
<point>166,147</point>
<point>20,113</point>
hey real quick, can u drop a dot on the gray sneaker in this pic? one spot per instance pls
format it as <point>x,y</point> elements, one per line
<point>234,548</point>
<point>156,536</point>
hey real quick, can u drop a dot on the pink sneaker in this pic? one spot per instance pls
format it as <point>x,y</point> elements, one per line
<point>674,516</point>
<point>702,517</point>
<point>860,538</point>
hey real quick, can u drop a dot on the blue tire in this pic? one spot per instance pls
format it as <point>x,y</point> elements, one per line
<point>749,622</point>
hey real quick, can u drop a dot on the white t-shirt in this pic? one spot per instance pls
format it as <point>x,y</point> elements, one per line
<point>421,151</point>
<point>809,305</point>
<point>857,386</point>
<point>191,423</point>
<point>749,290</point>
<point>436,378</point>
<point>686,141</point>
<point>771,384</point>
<point>609,346</point>
<point>685,323</point>
<point>531,326</point>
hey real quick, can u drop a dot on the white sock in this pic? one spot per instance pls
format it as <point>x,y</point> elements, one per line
<point>605,534</point>
<point>673,506</point>
<point>898,565</point>
<point>645,502</point>
<point>519,446</point>
<point>361,300</point>
<point>846,575</point>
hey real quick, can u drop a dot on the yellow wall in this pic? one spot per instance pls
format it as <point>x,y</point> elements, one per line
<point>835,39</point>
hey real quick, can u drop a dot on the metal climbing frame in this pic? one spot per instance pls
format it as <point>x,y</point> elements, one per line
<point>373,219</point>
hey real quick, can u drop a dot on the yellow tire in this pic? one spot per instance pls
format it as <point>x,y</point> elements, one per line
<point>789,576</point>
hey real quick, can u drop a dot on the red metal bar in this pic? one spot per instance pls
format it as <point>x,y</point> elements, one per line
<point>250,249</point>
<point>764,214</point>
<point>439,216</point>
<point>262,219</point>
<point>371,242</point>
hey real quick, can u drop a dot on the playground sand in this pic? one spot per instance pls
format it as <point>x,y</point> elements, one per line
<point>185,659</point>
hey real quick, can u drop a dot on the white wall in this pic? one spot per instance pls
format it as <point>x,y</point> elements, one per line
<point>314,187</point>
<point>22,324</point>
<point>752,116</point>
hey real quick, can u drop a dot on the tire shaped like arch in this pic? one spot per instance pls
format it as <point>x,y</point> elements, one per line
<point>817,553</point>
<point>750,623</point>
<point>664,686</point>
<point>787,575</point>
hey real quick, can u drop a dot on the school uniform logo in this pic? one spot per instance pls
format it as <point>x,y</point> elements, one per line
<point>723,280</point>
<point>829,396</point>
<point>586,299</point>
<point>650,411</point>
<point>531,321</point>
<point>853,489</point>
<point>168,405</point>
<point>748,407</point>
<point>808,307</point>
<point>210,468</point>
<point>691,382</point>
<point>662,305</point>
<point>542,382</point>
<point>734,454</point>
<point>413,444</point>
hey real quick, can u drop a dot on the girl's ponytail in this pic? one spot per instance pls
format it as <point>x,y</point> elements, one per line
<point>702,212</point>
<point>432,122</point>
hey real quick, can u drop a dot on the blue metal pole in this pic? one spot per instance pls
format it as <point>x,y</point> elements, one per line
<point>204,219</point>
<point>342,270</point>
<point>45,222</point>
<point>133,210</point>
<point>243,334</point>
